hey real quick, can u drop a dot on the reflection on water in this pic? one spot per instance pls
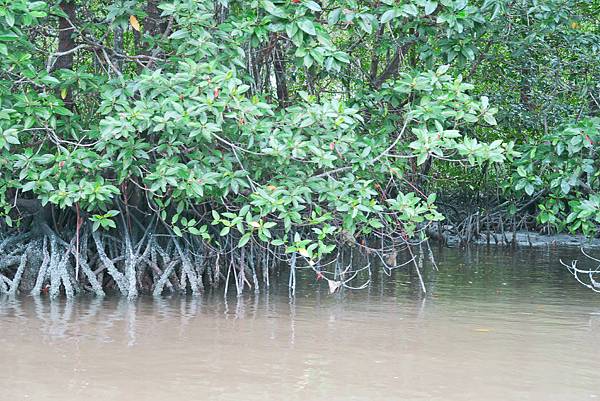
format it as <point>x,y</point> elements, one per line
<point>494,326</point>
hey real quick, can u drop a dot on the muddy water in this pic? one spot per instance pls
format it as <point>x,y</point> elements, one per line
<point>494,326</point>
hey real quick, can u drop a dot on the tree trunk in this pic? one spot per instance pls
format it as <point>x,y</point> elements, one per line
<point>66,43</point>
<point>118,47</point>
<point>153,24</point>
<point>280,76</point>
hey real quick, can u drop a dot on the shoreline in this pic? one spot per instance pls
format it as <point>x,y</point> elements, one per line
<point>530,239</point>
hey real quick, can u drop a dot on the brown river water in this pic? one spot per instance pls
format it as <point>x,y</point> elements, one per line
<point>494,325</point>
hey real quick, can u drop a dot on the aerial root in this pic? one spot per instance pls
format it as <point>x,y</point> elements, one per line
<point>131,262</point>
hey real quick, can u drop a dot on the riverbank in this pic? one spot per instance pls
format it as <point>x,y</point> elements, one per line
<point>97,262</point>
<point>525,239</point>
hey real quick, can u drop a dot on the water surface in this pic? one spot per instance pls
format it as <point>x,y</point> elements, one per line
<point>495,325</point>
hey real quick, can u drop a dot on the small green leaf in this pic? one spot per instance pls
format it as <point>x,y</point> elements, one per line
<point>177,231</point>
<point>244,240</point>
<point>489,119</point>
<point>529,189</point>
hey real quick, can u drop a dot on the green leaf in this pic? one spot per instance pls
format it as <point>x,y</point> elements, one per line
<point>341,56</point>
<point>8,36</point>
<point>244,240</point>
<point>177,231</point>
<point>489,119</point>
<point>375,224</point>
<point>529,189</point>
<point>389,15</point>
<point>312,5</point>
<point>28,186</point>
<point>180,34</point>
<point>11,137</point>
<point>365,24</point>
<point>273,9</point>
<point>410,9</point>
<point>244,210</point>
<point>49,80</point>
<point>421,158</point>
<point>334,16</point>
<point>430,7</point>
<point>10,19</point>
<point>307,26</point>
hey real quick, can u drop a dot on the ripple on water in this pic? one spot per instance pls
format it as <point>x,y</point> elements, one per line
<point>494,325</point>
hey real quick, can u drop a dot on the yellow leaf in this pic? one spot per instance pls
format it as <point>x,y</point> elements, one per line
<point>255,224</point>
<point>63,93</point>
<point>271,187</point>
<point>303,252</point>
<point>135,24</point>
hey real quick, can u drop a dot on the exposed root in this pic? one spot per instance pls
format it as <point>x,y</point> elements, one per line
<point>135,261</point>
<point>117,276</point>
<point>17,277</point>
<point>43,269</point>
<point>593,275</point>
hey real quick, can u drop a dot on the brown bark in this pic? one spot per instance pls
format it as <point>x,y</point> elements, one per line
<point>374,67</point>
<point>154,26</point>
<point>390,69</point>
<point>153,23</point>
<point>525,89</point>
<point>66,42</point>
<point>280,75</point>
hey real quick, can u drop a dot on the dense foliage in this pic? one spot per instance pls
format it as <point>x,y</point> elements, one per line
<point>292,125</point>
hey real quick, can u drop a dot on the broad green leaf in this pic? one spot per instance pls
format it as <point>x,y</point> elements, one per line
<point>307,26</point>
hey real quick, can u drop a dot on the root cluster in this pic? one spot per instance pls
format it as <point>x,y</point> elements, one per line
<point>99,262</point>
<point>149,261</point>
